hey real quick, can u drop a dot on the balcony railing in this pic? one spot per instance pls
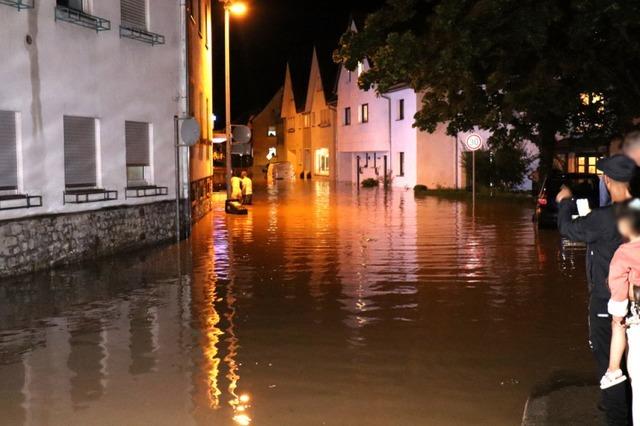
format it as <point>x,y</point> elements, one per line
<point>19,4</point>
<point>145,191</point>
<point>141,35</point>
<point>88,195</point>
<point>82,19</point>
<point>19,201</point>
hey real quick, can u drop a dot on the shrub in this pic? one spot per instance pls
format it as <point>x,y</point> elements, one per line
<point>370,183</point>
<point>420,189</point>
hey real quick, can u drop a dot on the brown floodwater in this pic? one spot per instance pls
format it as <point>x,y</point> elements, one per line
<point>323,306</point>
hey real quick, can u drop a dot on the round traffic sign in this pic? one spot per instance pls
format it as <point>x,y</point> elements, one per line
<point>190,131</point>
<point>473,142</point>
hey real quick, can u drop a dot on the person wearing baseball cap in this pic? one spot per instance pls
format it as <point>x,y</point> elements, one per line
<point>599,231</point>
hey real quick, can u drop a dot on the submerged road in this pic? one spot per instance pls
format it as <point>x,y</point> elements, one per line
<point>323,306</point>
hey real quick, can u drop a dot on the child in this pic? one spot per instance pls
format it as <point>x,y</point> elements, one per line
<point>624,276</point>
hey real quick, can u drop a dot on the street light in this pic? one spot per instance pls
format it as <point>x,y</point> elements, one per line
<point>237,8</point>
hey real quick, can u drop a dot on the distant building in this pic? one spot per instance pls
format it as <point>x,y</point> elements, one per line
<point>88,95</point>
<point>309,125</point>
<point>375,131</point>
<point>267,135</point>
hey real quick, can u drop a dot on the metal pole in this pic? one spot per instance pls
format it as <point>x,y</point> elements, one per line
<point>473,179</point>
<point>227,83</point>
<point>177,148</point>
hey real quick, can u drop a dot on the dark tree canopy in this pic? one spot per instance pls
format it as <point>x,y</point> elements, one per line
<point>526,69</point>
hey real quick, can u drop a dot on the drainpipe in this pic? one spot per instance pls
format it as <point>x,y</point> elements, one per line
<point>390,140</point>
<point>183,205</point>
<point>333,171</point>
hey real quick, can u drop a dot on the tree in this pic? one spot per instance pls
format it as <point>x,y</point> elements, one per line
<point>503,166</point>
<point>524,69</point>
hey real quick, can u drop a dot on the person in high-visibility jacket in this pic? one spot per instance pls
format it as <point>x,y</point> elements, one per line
<point>247,189</point>
<point>236,187</point>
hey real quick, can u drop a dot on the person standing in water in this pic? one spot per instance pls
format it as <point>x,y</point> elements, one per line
<point>236,187</point>
<point>247,189</point>
<point>599,229</point>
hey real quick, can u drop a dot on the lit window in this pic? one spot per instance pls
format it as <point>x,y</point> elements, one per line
<point>322,161</point>
<point>364,113</point>
<point>272,133</point>
<point>271,154</point>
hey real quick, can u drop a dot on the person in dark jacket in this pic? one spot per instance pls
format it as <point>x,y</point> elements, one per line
<point>599,230</point>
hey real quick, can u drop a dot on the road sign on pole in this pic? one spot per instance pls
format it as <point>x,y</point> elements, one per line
<point>473,142</point>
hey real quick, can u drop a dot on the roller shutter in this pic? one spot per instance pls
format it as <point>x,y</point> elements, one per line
<point>134,14</point>
<point>137,143</point>
<point>79,151</point>
<point>8,154</point>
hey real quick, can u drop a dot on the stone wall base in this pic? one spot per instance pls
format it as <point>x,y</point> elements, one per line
<point>35,243</point>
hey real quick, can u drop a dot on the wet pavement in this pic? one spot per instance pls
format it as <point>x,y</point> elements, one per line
<point>321,307</point>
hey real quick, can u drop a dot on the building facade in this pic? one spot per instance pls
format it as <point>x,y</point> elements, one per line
<point>267,138</point>
<point>309,139</point>
<point>88,96</point>
<point>200,44</point>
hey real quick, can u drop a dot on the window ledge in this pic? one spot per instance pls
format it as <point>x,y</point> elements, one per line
<point>145,191</point>
<point>19,201</point>
<point>82,19</point>
<point>141,35</point>
<point>88,195</point>
<point>18,4</point>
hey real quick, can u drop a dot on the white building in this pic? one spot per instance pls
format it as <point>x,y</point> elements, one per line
<point>88,94</point>
<point>377,129</point>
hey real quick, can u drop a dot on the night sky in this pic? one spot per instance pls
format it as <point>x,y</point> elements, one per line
<point>272,33</point>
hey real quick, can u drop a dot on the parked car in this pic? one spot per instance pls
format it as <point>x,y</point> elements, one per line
<point>583,185</point>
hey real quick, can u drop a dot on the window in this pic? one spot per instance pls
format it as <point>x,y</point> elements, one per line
<point>322,161</point>
<point>401,158</point>
<point>80,152</point>
<point>306,120</point>
<point>71,4</point>
<point>347,116</point>
<point>134,14</point>
<point>587,164</point>
<point>364,113</point>
<point>325,118</point>
<point>137,152</point>
<point>8,151</point>
<point>272,132</point>
<point>401,109</point>
<point>348,76</point>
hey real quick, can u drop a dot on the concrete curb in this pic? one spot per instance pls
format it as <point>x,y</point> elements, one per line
<point>568,405</point>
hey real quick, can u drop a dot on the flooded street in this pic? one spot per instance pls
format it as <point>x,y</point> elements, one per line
<point>322,307</point>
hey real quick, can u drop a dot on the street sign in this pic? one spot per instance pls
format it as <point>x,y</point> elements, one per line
<point>473,142</point>
<point>190,131</point>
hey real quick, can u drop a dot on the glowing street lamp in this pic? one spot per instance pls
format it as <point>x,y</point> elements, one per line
<point>237,8</point>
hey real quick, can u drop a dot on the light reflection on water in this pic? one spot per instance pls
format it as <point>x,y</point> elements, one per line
<point>322,306</point>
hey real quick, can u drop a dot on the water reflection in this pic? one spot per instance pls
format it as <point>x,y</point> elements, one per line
<point>323,305</point>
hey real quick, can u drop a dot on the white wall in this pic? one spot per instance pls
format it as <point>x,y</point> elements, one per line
<point>404,138</point>
<point>70,70</point>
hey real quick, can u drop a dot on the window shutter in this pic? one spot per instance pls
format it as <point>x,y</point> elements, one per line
<point>8,155</point>
<point>79,151</point>
<point>137,143</point>
<point>134,14</point>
